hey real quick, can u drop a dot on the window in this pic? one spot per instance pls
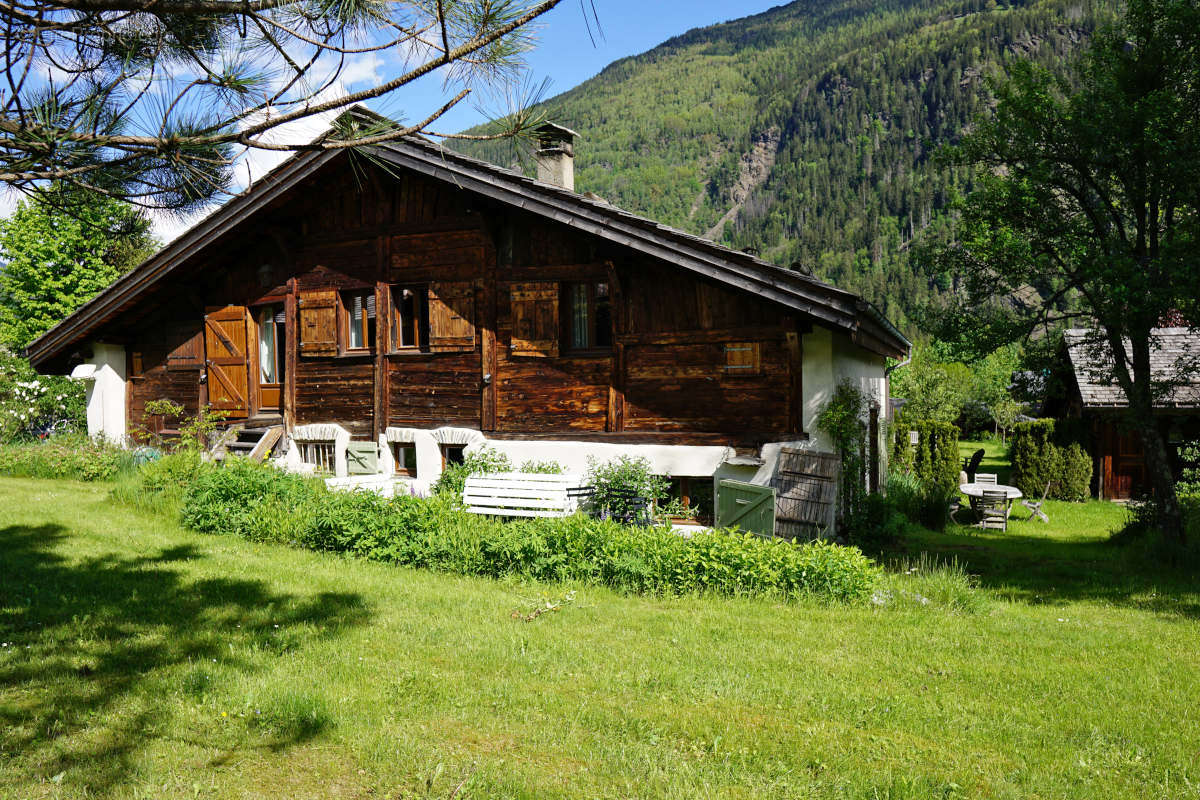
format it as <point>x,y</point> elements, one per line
<point>410,327</point>
<point>696,495</point>
<point>405,456</point>
<point>589,316</point>
<point>743,359</point>
<point>359,328</point>
<point>452,454</point>
<point>270,345</point>
<point>320,454</point>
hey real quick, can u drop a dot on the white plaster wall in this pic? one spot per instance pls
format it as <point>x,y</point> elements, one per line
<point>674,460</point>
<point>868,372</point>
<point>819,382</point>
<point>106,384</point>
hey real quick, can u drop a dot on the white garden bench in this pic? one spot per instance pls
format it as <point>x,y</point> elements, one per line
<point>522,494</point>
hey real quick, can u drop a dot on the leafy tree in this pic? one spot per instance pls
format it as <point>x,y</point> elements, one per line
<point>933,390</point>
<point>153,99</point>
<point>1088,208</point>
<point>59,250</point>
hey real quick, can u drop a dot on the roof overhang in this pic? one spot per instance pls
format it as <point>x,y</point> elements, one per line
<point>832,307</point>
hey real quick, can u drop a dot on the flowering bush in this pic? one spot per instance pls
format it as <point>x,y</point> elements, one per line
<point>33,405</point>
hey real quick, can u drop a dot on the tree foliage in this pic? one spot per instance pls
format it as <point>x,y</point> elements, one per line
<point>59,250</point>
<point>1088,207</point>
<point>843,103</point>
<point>153,99</point>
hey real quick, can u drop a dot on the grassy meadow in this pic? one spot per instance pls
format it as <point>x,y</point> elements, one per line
<point>142,660</point>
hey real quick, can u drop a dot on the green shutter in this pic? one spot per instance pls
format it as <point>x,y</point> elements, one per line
<point>748,506</point>
<point>362,458</point>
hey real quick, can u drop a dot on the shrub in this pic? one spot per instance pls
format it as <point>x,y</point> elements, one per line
<point>484,461</point>
<point>613,482</point>
<point>69,456</point>
<point>32,404</point>
<point>924,504</point>
<point>934,460</point>
<point>875,523</point>
<point>248,500</point>
<point>1045,451</point>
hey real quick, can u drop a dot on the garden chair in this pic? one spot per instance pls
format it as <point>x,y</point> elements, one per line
<point>993,510</point>
<point>1035,506</point>
<point>971,464</point>
<point>986,477</point>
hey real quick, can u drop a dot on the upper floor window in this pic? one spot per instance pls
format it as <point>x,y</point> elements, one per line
<point>588,315</point>
<point>410,325</point>
<point>359,327</point>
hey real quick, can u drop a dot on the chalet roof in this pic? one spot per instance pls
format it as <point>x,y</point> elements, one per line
<point>1173,351</point>
<point>832,307</point>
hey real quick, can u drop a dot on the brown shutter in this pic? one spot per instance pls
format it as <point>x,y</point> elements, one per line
<point>743,359</point>
<point>534,318</point>
<point>189,354</point>
<point>318,322</point>
<point>451,317</point>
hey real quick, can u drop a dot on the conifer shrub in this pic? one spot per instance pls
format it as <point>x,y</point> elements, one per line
<point>934,459</point>
<point>1046,451</point>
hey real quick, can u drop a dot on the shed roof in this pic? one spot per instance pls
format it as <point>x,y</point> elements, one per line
<point>832,307</point>
<point>1174,354</point>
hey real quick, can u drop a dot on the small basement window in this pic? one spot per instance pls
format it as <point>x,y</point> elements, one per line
<point>589,315</point>
<point>405,456</point>
<point>452,454</point>
<point>695,495</point>
<point>320,454</point>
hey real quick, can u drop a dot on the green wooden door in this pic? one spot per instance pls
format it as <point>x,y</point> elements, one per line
<point>362,458</point>
<point>746,505</point>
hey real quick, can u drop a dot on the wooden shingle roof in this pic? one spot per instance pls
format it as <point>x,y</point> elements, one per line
<point>1174,359</point>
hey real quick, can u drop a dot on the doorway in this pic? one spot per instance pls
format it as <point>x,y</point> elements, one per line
<point>272,345</point>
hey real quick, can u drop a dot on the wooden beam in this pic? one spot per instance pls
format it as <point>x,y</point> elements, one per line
<point>383,343</point>
<point>489,361</point>
<point>291,329</point>
<point>615,420</point>
<point>754,334</point>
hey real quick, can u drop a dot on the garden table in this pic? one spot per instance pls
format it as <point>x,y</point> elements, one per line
<point>975,492</point>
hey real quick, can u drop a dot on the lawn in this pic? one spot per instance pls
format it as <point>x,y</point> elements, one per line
<point>143,660</point>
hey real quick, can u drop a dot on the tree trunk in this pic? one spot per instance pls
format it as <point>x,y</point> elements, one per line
<point>1162,480</point>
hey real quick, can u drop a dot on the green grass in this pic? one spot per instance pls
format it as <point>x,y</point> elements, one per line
<point>148,661</point>
<point>995,457</point>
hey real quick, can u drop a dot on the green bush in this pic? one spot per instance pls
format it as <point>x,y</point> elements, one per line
<point>934,460</point>
<point>614,481</point>
<point>484,461</point>
<point>31,403</point>
<point>874,523</point>
<point>1046,451</point>
<point>251,500</point>
<point>69,456</point>
<point>924,504</point>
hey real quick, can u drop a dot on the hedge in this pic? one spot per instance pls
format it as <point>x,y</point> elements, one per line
<point>260,503</point>
<point>935,459</point>
<point>1047,451</point>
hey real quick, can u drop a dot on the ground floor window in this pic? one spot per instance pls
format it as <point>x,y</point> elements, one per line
<point>319,454</point>
<point>452,454</point>
<point>695,495</point>
<point>405,456</point>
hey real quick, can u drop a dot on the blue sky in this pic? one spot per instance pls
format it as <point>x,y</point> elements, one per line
<point>566,55</point>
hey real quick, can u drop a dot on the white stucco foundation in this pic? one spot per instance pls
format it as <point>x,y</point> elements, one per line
<point>321,432</point>
<point>104,375</point>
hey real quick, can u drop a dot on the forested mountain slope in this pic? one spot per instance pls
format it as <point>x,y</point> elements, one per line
<point>807,131</point>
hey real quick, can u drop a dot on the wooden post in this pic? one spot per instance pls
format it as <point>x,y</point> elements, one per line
<point>291,328</point>
<point>615,420</point>
<point>383,343</point>
<point>489,354</point>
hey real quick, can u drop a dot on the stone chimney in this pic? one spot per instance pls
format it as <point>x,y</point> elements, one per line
<point>555,155</point>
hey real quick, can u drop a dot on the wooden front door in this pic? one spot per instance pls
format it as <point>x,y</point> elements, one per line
<point>227,357</point>
<point>1124,465</point>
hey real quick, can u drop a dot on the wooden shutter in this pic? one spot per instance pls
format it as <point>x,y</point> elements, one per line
<point>743,359</point>
<point>318,323</point>
<point>451,317</point>
<point>227,357</point>
<point>535,329</point>
<point>189,354</point>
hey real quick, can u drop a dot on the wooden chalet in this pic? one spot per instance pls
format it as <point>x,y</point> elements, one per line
<point>1119,468</point>
<point>390,307</point>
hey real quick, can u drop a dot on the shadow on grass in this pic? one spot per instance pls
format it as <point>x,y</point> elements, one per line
<point>92,644</point>
<point>1041,569</point>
